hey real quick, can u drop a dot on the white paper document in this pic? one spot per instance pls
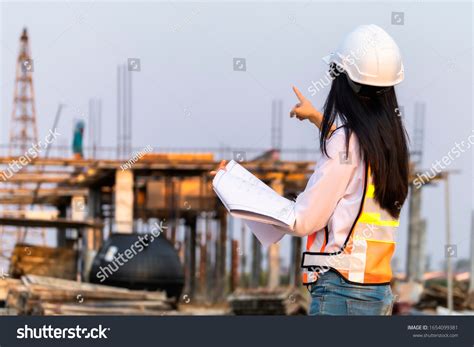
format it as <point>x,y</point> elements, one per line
<point>264,211</point>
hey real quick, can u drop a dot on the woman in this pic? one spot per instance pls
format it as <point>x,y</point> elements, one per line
<point>354,197</point>
<point>350,207</point>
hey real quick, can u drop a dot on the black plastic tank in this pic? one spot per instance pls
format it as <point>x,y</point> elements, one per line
<point>139,261</point>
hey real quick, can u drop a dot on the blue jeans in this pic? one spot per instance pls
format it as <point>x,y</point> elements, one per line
<point>332,295</point>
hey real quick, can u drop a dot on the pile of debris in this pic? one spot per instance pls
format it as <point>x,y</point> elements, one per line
<point>265,301</point>
<point>435,294</point>
<point>39,295</point>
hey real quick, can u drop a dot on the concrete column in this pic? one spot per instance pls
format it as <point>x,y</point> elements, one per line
<point>191,251</point>
<point>124,201</point>
<point>79,213</point>
<point>256,262</point>
<point>274,250</point>
<point>78,208</point>
<point>243,257</point>
<point>61,233</point>
<point>415,237</point>
<point>203,266</point>
<point>295,262</point>
<point>92,237</point>
<point>210,263</point>
<point>221,252</point>
<point>274,266</point>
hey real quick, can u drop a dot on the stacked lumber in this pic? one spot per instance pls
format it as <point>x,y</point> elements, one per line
<point>129,308</point>
<point>43,261</point>
<point>435,295</point>
<point>39,295</point>
<point>265,301</point>
<point>469,303</point>
<point>5,285</point>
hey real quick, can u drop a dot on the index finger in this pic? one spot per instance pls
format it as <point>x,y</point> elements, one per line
<point>298,94</point>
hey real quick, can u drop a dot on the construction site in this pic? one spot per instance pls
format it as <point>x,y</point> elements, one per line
<point>67,212</point>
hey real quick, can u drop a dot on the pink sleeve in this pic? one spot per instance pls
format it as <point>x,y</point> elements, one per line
<point>328,184</point>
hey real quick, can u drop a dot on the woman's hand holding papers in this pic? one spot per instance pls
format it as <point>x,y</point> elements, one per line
<point>221,166</point>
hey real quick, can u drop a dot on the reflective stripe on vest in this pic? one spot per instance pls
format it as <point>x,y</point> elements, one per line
<point>366,255</point>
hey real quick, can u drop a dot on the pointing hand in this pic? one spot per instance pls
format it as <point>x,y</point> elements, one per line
<point>305,110</point>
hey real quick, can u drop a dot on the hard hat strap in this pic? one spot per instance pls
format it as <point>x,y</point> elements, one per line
<point>355,87</point>
<point>366,90</point>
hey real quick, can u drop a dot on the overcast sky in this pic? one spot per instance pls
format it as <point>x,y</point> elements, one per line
<point>187,93</point>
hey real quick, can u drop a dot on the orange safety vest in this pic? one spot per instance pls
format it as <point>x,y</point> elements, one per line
<point>367,252</point>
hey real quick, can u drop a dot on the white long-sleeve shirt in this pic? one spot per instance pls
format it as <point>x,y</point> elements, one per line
<point>333,193</point>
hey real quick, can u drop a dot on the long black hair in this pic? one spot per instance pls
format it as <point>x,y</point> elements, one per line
<point>372,113</point>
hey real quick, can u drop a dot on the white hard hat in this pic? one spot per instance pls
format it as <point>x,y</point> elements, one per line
<point>369,56</point>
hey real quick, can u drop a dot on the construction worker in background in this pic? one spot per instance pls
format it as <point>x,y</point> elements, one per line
<point>78,139</point>
<point>350,207</point>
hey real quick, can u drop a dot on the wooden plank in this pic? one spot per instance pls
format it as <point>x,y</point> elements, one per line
<point>46,295</point>
<point>41,223</point>
<point>65,287</point>
<point>45,261</point>
<point>79,309</point>
<point>5,285</point>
